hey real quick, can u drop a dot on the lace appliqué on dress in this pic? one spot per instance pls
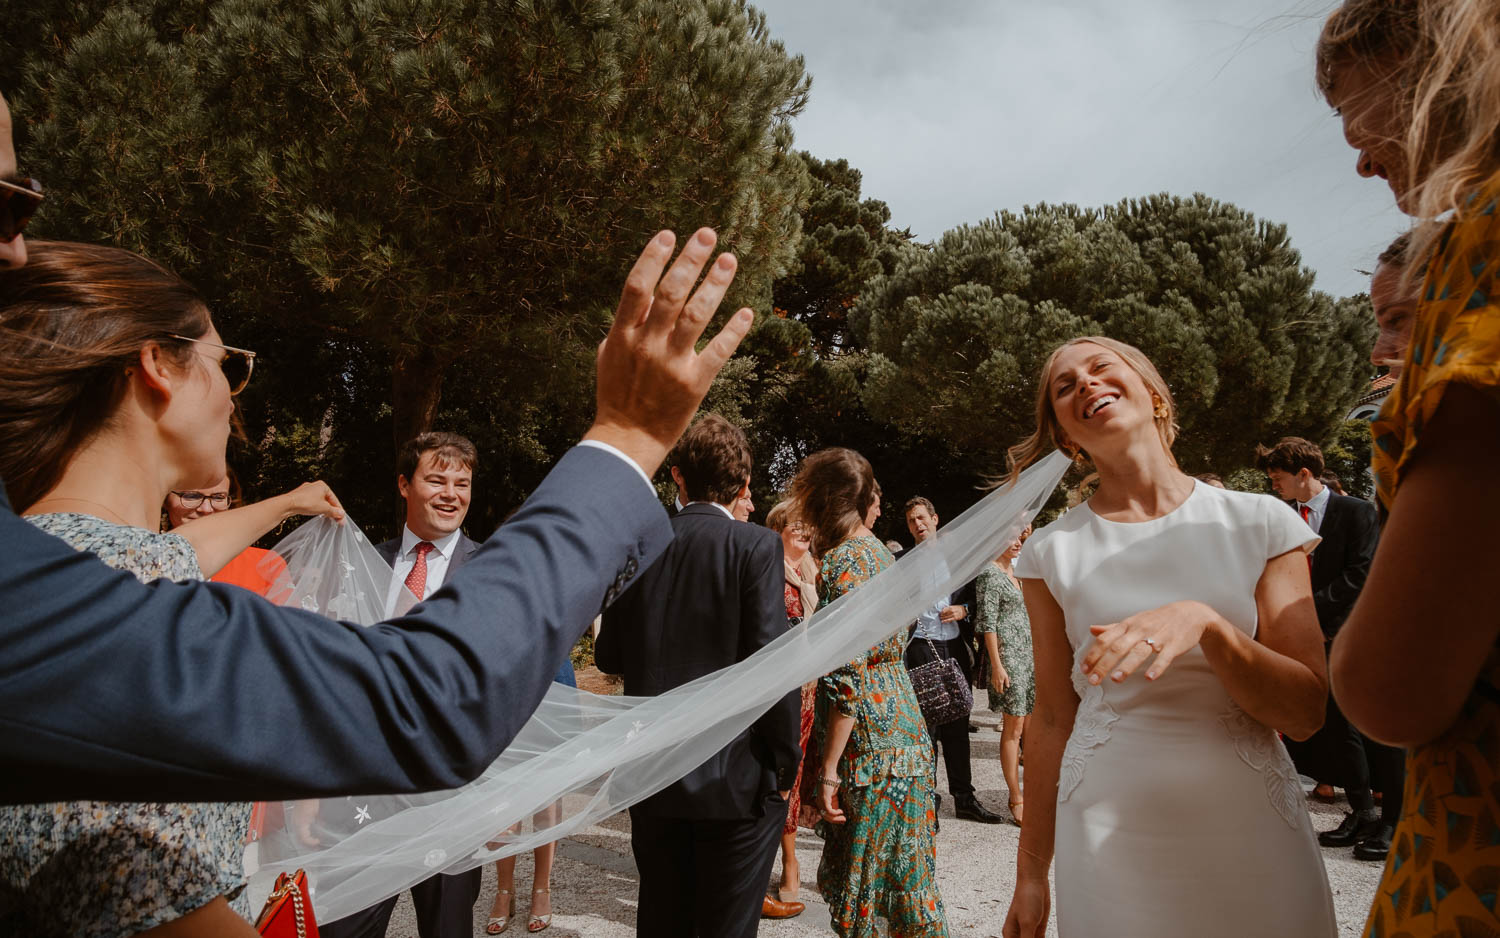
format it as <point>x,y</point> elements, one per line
<point>1090,730</point>
<point>1259,748</point>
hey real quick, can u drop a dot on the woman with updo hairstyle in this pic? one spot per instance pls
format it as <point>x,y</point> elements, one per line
<point>115,389</point>
<point>1173,634</point>
<point>1417,664</point>
<point>874,770</point>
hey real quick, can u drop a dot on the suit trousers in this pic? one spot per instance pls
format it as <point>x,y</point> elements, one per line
<point>704,878</point>
<point>444,905</point>
<point>952,738</point>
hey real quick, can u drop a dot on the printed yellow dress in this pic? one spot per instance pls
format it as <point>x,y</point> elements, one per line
<point>1443,873</point>
<point>881,862</point>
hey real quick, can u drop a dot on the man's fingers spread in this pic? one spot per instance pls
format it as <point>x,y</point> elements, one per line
<point>640,284</point>
<point>673,290</point>
<point>718,351</point>
<point>700,309</point>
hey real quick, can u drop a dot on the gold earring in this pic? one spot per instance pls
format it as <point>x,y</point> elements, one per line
<point>1160,410</point>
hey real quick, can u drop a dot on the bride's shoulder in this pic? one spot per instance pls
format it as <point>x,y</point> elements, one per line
<point>1235,506</point>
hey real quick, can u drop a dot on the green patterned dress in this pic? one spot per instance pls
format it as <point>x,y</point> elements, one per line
<point>1002,610</point>
<point>882,861</point>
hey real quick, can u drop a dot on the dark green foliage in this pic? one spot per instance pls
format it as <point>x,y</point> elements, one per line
<point>1346,452</point>
<point>1219,301</point>
<point>419,212</point>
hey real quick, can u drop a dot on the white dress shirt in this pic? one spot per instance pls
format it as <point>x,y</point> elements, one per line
<point>1317,509</point>
<point>437,567</point>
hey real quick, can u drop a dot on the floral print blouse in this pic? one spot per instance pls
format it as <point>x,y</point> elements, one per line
<point>95,869</point>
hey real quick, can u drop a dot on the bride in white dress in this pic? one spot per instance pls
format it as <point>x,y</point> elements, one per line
<point>1174,634</point>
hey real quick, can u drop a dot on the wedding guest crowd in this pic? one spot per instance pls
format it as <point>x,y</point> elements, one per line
<point>1163,622</point>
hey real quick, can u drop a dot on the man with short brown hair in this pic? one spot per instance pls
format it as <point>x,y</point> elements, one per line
<point>706,844</point>
<point>1338,567</point>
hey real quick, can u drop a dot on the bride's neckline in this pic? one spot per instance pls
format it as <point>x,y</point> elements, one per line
<point>1192,493</point>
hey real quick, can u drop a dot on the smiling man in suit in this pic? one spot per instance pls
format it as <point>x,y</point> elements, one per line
<point>705,845</point>
<point>1350,531</point>
<point>435,475</point>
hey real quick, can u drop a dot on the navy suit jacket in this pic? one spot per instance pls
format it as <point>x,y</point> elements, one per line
<point>714,597</point>
<point>463,549</point>
<point>117,690</point>
<point>1341,561</point>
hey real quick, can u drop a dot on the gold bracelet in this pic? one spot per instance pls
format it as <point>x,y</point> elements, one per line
<point>830,781</point>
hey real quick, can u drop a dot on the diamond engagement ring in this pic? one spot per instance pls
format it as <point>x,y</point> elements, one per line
<point>1155,646</point>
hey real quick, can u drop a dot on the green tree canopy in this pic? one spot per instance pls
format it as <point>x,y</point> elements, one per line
<point>1219,301</point>
<point>419,212</point>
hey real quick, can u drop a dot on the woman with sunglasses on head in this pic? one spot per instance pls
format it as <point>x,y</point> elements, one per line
<point>1417,664</point>
<point>115,390</point>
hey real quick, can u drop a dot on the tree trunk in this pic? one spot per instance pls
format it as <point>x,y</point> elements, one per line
<point>416,392</point>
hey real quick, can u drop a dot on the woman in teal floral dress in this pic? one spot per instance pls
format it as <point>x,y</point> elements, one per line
<point>1001,619</point>
<point>875,773</point>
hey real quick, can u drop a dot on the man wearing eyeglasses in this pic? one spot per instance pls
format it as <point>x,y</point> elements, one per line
<point>117,690</point>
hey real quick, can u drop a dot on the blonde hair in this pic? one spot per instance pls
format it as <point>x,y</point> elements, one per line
<point>1047,435</point>
<point>1445,83</point>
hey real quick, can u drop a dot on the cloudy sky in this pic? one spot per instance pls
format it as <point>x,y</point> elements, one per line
<point>955,109</point>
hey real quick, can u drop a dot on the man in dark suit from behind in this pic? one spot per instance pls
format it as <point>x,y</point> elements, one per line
<point>435,475</point>
<point>706,844</point>
<point>1350,530</point>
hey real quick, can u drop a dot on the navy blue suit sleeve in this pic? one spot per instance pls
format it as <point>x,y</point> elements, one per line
<point>762,621</point>
<point>1361,535</point>
<point>112,689</point>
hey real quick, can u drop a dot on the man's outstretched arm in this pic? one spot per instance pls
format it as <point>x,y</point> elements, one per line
<point>115,690</point>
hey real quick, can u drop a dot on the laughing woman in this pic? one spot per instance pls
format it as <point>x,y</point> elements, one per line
<point>1174,633</point>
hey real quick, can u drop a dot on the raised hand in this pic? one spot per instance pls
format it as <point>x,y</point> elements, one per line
<point>651,378</point>
<point>1166,632</point>
<point>313,498</point>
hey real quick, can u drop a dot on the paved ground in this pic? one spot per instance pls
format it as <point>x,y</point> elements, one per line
<point>593,884</point>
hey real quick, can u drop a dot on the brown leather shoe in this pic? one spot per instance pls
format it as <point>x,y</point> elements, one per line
<point>774,908</point>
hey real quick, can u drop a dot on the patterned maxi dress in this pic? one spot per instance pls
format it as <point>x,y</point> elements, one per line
<point>95,869</point>
<point>1442,876</point>
<point>881,862</point>
<point>799,810</point>
<point>1001,609</point>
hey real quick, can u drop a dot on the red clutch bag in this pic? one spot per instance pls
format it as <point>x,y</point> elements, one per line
<point>288,910</point>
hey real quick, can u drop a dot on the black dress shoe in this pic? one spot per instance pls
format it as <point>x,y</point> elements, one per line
<point>1375,843</point>
<point>968,808</point>
<point>973,728</point>
<point>1348,831</point>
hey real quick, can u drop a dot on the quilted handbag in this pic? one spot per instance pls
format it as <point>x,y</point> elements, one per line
<point>942,691</point>
<point>288,910</point>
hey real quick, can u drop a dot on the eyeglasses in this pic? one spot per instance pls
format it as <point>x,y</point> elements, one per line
<point>191,500</point>
<point>19,199</point>
<point>236,365</point>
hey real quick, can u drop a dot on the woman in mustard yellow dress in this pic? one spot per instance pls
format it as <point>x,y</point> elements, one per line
<point>1417,85</point>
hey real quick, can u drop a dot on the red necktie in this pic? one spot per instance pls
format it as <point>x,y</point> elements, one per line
<point>416,580</point>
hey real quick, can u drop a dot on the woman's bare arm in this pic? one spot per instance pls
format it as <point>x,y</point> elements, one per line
<point>1416,642</point>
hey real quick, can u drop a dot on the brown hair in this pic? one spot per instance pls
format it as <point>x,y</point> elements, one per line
<point>72,321</point>
<point>921,500</point>
<point>1047,434</point>
<point>1444,84</point>
<point>1396,251</point>
<point>1291,454</point>
<point>714,459</point>
<point>451,449</point>
<point>831,492</point>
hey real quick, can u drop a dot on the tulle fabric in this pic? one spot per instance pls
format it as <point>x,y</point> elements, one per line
<point>582,757</point>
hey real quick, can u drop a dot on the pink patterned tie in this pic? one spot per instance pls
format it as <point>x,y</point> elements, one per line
<point>416,580</point>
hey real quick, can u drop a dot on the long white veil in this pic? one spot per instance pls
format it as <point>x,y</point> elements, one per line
<point>583,757</point>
